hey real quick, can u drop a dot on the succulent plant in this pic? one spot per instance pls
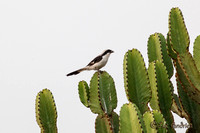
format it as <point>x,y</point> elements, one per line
<point>187,68</point>
<point>101,98</point>
<point>149,91</point>
<point>136,81</point>
<point>46,114</point>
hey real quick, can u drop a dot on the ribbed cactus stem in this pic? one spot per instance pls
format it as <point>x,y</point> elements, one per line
<point>46,114</point>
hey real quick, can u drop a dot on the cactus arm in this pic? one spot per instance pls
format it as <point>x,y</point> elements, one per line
<point>114,118</point>
<point>107,123</point>
<point>83,90</point>
<point>170,49</point>
<point>157,50</point>
<point>164,92</point>
<point>152,78</point>
<point>178,35</point>
<point>95,103</point>
<point>154,122</point>
<point>186,68</point>
<point>163,84</point>
<point>149,121</point>
<point>177,108</point>
<point>166,58</point>
<point>154,48</point>
<point>103,97</point>
<point>183,76</point>
<point>136,80</point>
<point>188,65</point>
<point>103,124</point>
<point>176,104</point>
<point>159,121</point>
<point>130,119</point>
<point>107,92</point>
<point>196,52</point>
<point>191,108</point>
<point>46,114</point>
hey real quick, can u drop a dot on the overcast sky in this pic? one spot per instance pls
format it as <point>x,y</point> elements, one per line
<point>43,40</point>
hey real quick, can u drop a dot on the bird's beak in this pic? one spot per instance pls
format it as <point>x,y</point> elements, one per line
<point>112,51</point>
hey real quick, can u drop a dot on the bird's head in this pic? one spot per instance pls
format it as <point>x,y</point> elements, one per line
<point>108,51</point>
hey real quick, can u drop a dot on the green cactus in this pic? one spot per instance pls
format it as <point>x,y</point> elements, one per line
<point>131,119</point>
<point>160,123</point>
<point>101,98</point>
<point>46,114</point>
<point>177,107</point>
<point>185,65</point>
<point>143,87</point>
<point>107,124</point>
<point>154,122</point>
<point>153,86</point>
<point>196,52</point>
<point>103,124</point>
<point>187,76</point>
<point>149,122</point>
<point>157,50</point>
<point>191,108</point>
<point>136,81</point>
<point>83,90</point>
<point>178,35</point>
<point>161,92</point>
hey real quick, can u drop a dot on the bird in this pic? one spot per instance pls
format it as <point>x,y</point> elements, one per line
<point>96,64</point>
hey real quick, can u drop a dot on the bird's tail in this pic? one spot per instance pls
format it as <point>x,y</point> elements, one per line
<point>76,72</point>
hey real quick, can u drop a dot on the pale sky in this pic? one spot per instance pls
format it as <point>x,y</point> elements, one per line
<point>43,40</point>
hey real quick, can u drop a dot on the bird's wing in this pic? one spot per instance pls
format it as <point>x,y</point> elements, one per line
<point>95,60</point>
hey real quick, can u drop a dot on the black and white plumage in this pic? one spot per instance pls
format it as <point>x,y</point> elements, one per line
<point>96,64</point>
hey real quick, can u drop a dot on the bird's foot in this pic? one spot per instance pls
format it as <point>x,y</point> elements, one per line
<point>99,71</point>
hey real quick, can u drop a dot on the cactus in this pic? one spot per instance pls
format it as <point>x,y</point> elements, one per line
<point>83,90</point>
<point>154,86</point>
<point>136,81</point>
<point>107,124</point>
<point>161,87</point>
<point>143,87</point>
<point>185,65</point>
<point>196,52</point>
<point>46,114</point>
<point>130,119</point>
<point>191,108</point>
<point>157,50</point>
<point>154,122</point>
<point>103,124</point>
<point>160,70</point>
<point>101,98</point>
